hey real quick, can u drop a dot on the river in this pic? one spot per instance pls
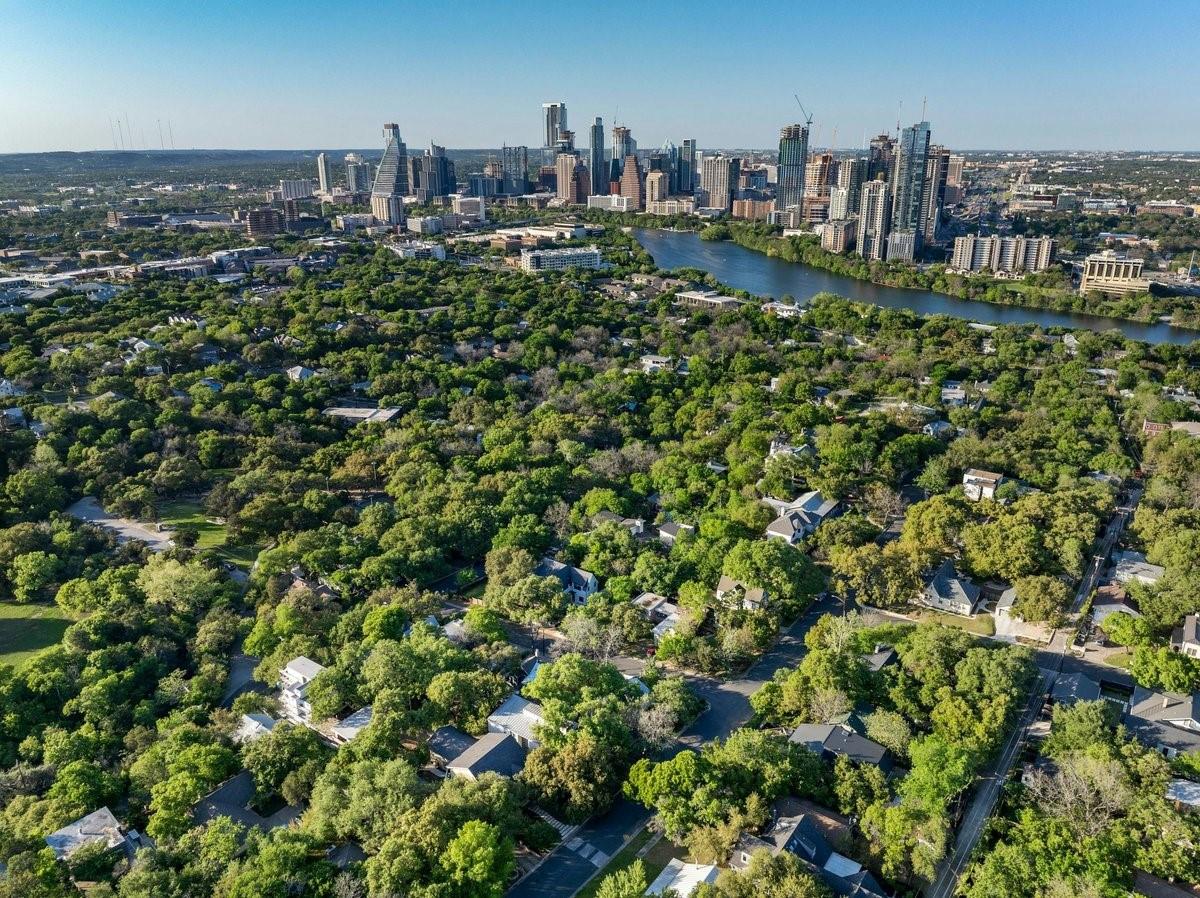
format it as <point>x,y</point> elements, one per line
<point>745,269</point>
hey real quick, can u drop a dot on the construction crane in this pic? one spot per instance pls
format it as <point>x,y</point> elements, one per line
<point>807,117</point>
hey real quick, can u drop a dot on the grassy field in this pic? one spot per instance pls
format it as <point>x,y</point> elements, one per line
<point>26,630</point>
<point>654,861</point>
<point>212,536</point>
<point>1119,659</point>
<point>980,625</point>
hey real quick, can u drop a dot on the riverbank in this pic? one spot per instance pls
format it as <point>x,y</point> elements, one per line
<point>759,274</point>
<point>1035,292</point>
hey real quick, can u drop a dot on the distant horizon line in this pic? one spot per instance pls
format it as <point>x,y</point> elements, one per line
<point>379,149</point>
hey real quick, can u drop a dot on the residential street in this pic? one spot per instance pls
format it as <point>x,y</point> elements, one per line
<point>577,860</point>
<point>1051,663</point>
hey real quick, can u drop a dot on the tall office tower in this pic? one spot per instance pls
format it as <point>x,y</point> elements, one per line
<point>391,179</point>
<point>671,153</point>
<point>564,176</point>
<point>632,187</point>
<point>687,168</point>
<point>818,174</point>
<point>718,180</point>
<point>565,142</point>
<point>515,161</point>
<point>358,174</point>
<point>793,153</point>
<point>933,194</point>
<point>324,179</point>
<point>414,173</point>
<point>908,180</point>
<point>954,171</point>
<point>879,159</point>
<point>658,186</point>
<point>850,177</point>
<point>623,146</point>
<point>437,177</point>
<point>596,162</point>
<point>581,183</point>
<point>874,218</point>
<point>554,117</point>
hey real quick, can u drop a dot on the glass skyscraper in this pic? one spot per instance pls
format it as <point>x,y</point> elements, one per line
<point>908,181</point>
<point>391,179</point>
<point>596,164</point>
<point>793,155</point>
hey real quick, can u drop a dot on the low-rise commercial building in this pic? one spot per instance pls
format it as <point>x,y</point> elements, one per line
<point>559,259</point>
<point>1113,273</point>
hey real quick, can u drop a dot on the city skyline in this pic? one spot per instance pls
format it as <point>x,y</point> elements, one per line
<point>988,84</point>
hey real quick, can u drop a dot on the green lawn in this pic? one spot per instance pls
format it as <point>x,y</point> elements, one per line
<point>980,625</point>
<point>1119,659</point>
<point>624,858</point>
<point>212,536</point>
<point>26,630</point>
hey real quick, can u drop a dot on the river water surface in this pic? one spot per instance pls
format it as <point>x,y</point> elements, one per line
<point>762,275</point>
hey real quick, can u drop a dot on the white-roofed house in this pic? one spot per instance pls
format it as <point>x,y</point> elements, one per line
<point>517,717</point>
<point>253,726</point>
<point>681,879</point>
<point>100,827</point>
<point>294,680</point>
<point>346,729</point>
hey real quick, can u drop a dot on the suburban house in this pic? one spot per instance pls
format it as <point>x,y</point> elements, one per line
<point>800,517</point>
<point>663,613</point>
<point>576,582</point>
<point>635,526</point>
<point>294,680</point>
<point>317,585</point>
<point>1112,599</point>
<point>497,753</point>
<point>518,717</point>
<point>97,828</point>
<point>669,531</point>
<point>1011,626</point>
<point>834,740</point>
<point>298,373</point>
<point>939,430</point>
<point>949,591</point>
<point>981,484</point>
<point>654,363</point>
<point>447,743</point>
<point>679,878</point>
<point>1130,566</point>
<point>348,727</point>
<point>1167,721</point>
<point>735,592</point>
<point>253,726</point>
<point>952,394</point>
<point>1186,637</point>
<point>802,836</point>
<point>232,799</point>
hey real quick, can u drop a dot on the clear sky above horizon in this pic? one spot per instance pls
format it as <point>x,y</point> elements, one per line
<point>268,74</point>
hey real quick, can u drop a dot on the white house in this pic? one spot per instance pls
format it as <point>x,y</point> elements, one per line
<point>349,727</point>
<point>979,484</point>
<point>298,373</point>
<point>253,726</point>
<point>517,717</point>
<point>735,592</point>
<point>294,681</point>
<point>681,879</point>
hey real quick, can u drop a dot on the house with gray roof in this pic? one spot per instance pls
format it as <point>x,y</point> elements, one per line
<point>834,740</point>
<point>232,799</point>
<point>497,753</point>
<point>576,582</point>
<point>447,743</point>
<point>1167,721</point>
<point>1186,637</point>
<point>949,591</point>
<point>801,836</point>
<point>1071,688</point>
<point>800,517</point>
<point>100,827</point>
<point>1130,566</point>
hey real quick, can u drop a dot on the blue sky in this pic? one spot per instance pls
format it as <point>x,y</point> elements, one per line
<point>298,74</point>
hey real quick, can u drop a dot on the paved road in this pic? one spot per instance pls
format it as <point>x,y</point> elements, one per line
<point>1051,664</point>
<point>569,867</point>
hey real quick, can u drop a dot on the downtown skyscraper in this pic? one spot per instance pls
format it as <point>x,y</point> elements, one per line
<point>908,185</point>
<point>874,217</point>
<point>687,168</point>
<point>391,179</point>
<point>554,123</point>
<point>793,154</point>
<point>324,178</point>
<point>719,180</point>
<point>596,163</point>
